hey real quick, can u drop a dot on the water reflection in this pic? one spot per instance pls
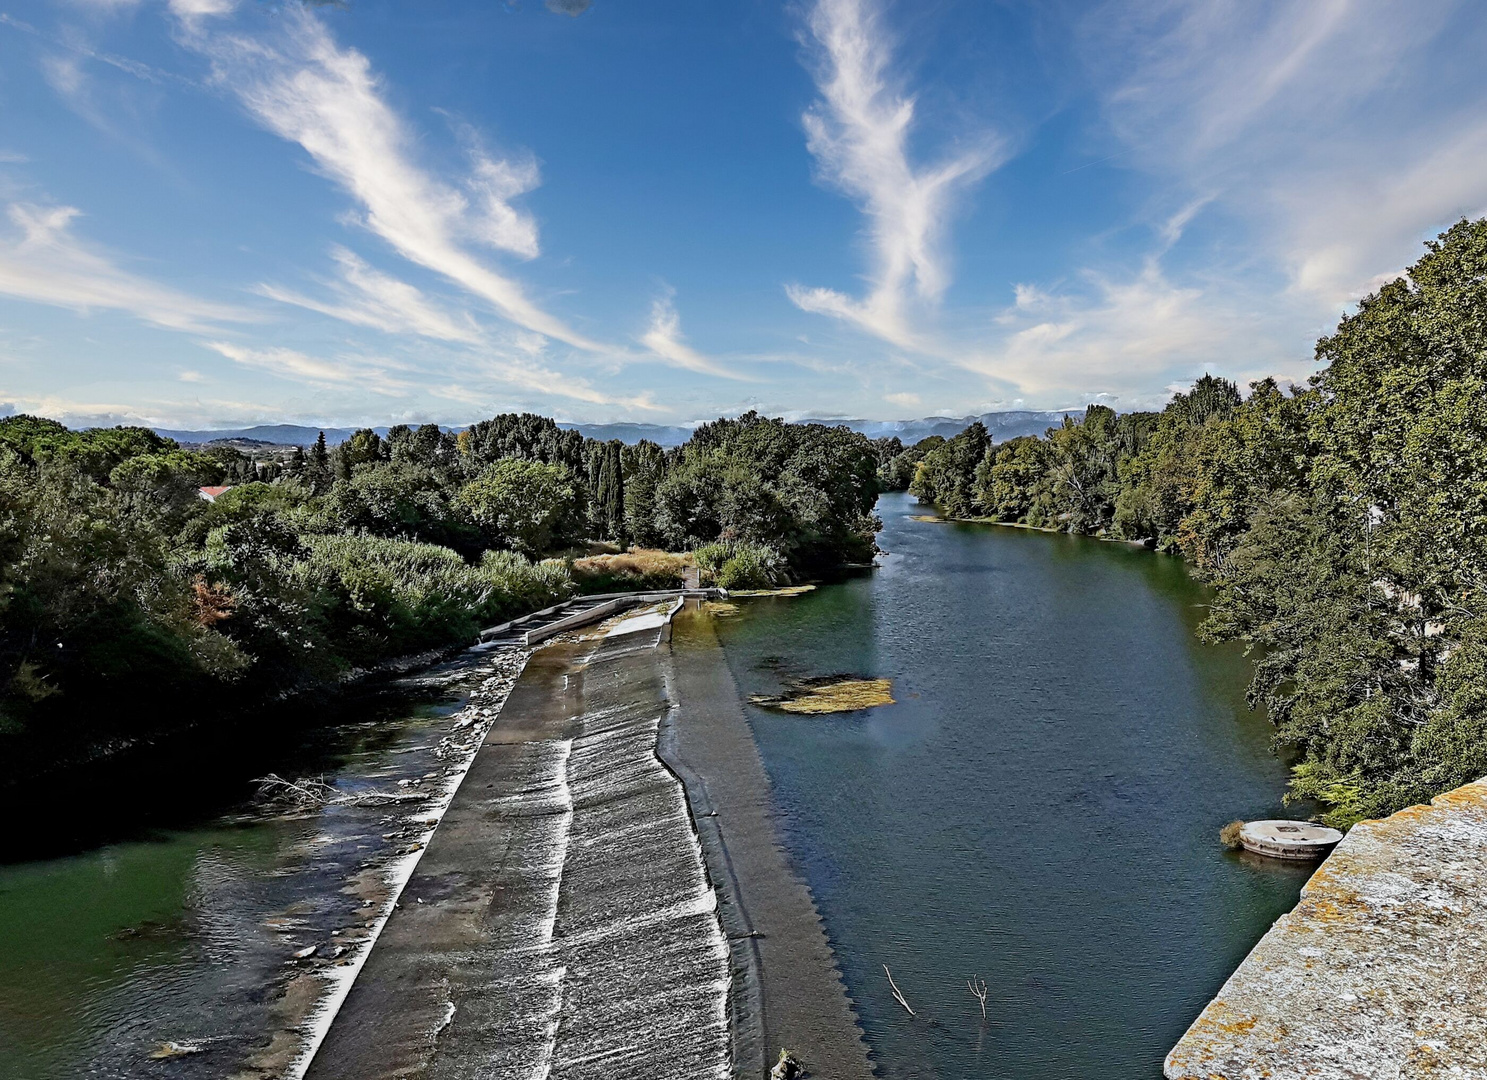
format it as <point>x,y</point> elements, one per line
<point>1040,808</point>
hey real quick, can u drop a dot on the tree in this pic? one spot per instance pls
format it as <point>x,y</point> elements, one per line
<point>319,469</point>
<point>526,506</point>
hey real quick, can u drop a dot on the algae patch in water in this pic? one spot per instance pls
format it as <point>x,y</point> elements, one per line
<point>719,610</point>
<point>828,694</point>
<point>788,590</point>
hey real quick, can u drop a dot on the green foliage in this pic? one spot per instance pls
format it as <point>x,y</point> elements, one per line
<point>1343,527</point>
<point>382,596</point>
<point>525,505</point>
<point>119,582</point>
<point>524,435</point>
<point>897,472</point>
<point>400,499</point>
<point>741,564</point>
<point>946,474</point>
<point>806,491</point>
<point>642,468</point>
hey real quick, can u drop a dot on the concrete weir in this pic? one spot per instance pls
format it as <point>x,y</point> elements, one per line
<point>561,922</point>
<point>564,921</point>
<point>1381,969</point>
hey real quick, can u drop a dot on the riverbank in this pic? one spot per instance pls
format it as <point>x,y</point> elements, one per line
<point>213,944</point>
<point>1147,543</point>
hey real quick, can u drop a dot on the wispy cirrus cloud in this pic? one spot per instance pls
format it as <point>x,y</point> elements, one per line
<point>306,88</point>
<point>859,134</point>
<point>1292,157</point>
<point>41,260</point>
<point>339,373</point>
<point>664,339</point>
<point>364,296</point>
<point>1339,133</point>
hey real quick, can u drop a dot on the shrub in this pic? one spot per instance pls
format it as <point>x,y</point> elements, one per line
<point>521,585</point>
<point>1229,835</point>
<point>740,564</point>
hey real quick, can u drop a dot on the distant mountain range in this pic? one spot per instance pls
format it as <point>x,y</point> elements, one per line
<point>1001,425</point>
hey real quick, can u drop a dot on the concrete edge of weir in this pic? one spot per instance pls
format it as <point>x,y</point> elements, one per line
<point>804,1004</point>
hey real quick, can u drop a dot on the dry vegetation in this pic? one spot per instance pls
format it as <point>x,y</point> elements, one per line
<point>828,694</point>
<point>636,568</point>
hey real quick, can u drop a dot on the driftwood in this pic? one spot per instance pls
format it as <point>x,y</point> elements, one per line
<point>977,987</point>
<point>897,994</point>
<point>300,794</point>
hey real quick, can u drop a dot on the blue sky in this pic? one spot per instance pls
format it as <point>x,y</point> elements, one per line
<point>218,212</point>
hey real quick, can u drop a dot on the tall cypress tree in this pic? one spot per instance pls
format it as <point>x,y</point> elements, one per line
<point>320,464</point>
<point>614,501</point>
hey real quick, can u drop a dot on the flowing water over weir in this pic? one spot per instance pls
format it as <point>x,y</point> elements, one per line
<point>561,922</point>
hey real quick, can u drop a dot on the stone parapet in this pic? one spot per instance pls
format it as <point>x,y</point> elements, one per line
<point>1380,971</point>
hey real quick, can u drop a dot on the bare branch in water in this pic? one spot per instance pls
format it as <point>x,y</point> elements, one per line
<point>977,987</point>
<point>897,994</point>
<point>302,794</point>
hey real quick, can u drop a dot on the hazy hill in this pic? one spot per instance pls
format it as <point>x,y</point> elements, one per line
<point>1002,425</point>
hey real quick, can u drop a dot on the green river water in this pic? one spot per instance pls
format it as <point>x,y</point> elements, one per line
<point>1039,809</point>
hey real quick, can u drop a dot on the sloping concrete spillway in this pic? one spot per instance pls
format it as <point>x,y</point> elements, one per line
<point>1380,971</point>
<point>560,922</point>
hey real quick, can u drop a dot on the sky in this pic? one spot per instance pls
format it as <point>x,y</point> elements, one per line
<point>216,213</point>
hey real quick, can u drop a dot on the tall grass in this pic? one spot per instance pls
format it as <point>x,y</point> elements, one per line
<point>388,596</point>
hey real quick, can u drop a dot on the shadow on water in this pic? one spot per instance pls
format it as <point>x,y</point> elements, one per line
<point>1041,806</point>
<point>151,902</point>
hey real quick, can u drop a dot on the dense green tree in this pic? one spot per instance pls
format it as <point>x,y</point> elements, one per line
<point>525,505</point>
<point>946,474</point>
<point>319,469</point>
<point>642,468</point>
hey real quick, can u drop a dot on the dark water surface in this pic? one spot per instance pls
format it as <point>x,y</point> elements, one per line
<point>186,931</point>
<point>1040,808</point>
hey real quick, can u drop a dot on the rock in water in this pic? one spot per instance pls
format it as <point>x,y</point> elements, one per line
<point>787,1068</point>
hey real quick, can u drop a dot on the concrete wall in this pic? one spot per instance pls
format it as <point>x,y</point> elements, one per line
<point>1380,971</point>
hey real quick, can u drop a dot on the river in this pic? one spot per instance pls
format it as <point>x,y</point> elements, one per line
<point>206,939</point>
<point>1040,807</point>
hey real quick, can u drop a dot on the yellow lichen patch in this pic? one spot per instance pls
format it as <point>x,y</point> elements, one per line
<point>788,590</point>
<point>832,694</point>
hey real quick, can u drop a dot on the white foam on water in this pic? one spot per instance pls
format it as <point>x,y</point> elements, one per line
<point>341,977</point>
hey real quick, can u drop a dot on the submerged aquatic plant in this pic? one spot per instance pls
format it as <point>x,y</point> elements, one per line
<point>828,694</point>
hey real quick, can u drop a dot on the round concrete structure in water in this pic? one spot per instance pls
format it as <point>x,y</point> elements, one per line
<point>1288,839</point>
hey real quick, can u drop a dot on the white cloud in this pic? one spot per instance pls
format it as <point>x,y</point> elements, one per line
<point>1318,143</point>
<point>1124,336</point>
<point>1338,132</point>
<point>200,9</point>
<point>311,91</point>
<point>367,297</point>
<point>859,134</point>
<point>664,338</point>
<point>342,372</point>
<point>907,401</point>
<point>494,183</point>
<point>44,262</point>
